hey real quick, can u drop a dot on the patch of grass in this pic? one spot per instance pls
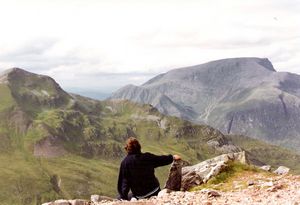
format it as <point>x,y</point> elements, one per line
<point>234,176</point>
<point>231,170</point>
<point>270,154</point>
<point>6,99</point>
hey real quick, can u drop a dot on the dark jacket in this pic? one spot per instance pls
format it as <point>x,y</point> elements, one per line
<point>137,173</point>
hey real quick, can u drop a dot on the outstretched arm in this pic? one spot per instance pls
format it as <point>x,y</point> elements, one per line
<point>163,160</point>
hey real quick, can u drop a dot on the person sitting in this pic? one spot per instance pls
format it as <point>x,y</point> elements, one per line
<point>137,171</point>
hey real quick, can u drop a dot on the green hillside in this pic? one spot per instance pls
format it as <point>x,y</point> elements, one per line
<point>267,153</point>
<point>57,145</point>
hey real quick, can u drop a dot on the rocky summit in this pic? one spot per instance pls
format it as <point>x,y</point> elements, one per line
<point>238,183</point>
<point>237,96</point>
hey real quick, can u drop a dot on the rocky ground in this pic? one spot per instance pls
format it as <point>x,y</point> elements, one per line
<point>274,190</point>
<point>225,179</point>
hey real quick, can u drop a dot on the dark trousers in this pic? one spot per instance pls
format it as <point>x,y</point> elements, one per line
<point>130,195</point>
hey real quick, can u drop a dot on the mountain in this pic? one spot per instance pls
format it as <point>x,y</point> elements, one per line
<point>237,96</point>
<point>54,144</point>
<point>59,145</point>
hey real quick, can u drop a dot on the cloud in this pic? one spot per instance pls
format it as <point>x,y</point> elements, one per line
<point>107,44</point>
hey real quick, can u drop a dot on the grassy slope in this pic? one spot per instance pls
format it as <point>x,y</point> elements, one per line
<point>26,179</point>
<point>93,132</point>
<point>81,176</point>
<point>269,154</point>
<point>6,98</point>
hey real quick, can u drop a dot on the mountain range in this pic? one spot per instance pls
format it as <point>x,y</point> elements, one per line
<point>54,144</point>
<point>241,96</point>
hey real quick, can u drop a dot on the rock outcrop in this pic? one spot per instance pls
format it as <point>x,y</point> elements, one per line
<point>202,172</point>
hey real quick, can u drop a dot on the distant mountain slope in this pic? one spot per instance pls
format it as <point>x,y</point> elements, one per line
<point>54,144</point>
<point>237,96</point>
<point>59,145</point>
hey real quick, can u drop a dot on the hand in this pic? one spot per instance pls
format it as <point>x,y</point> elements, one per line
<point>176,157</point>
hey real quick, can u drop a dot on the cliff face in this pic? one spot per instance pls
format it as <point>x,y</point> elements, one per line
<point>237,96</point>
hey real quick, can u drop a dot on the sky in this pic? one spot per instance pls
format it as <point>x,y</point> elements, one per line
<point>102,45</point>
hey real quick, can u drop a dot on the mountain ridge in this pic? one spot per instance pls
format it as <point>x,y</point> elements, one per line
<point>231,95</point>
<point>70,146</point>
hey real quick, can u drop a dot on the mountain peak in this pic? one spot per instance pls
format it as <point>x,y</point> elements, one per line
<point>264,62</point>
<point>16,69</point>
<point>13,70</point>
<point>223,69</point>
<point>241,64</point>
<point>38,90</point>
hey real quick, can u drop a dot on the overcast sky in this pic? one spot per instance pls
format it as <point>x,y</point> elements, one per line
<point>103,45</point>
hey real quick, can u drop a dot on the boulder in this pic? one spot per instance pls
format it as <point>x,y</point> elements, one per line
<point>282,170</point>
<point>174,179</point>
<point>191,179</point>
<point>202,172</point>
<point>266,168</point>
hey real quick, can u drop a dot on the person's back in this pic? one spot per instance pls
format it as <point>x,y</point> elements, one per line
<point>137,171</point>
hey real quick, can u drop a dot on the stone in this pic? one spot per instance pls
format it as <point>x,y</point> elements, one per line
<point>282,170</point>
<point>61,202</point>
<point>98,198</point>
<point>79,202</point>
<point>266,168</point>
<point>269,184</point>
<point>250,183</point>
<point>213,194</point>
<point>175,176</point>
<point>133,199</point>
<point>241,157</point>
<point>95,198</point>
<point>215,170</point>
<point>275,188</point>
<point>210,193</point>
<point>190,180</point>
<point>164,193</point>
